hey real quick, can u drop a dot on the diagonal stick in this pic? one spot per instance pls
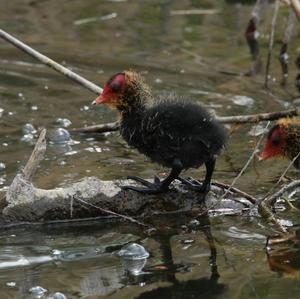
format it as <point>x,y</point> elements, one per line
<point>46,60</point>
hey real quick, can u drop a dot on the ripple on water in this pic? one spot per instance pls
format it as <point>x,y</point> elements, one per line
<point>238,233</point>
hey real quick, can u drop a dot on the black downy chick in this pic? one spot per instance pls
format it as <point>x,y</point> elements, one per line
<point>176,134</point>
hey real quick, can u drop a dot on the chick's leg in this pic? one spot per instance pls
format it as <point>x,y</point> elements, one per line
<point>158,186</point>
<point>204,187</point>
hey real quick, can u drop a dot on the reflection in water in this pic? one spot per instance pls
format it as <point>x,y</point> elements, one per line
<point>204,287</point>
<point>284,258</point>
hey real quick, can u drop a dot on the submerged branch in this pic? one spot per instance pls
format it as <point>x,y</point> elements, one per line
<point>255,118</point>
<point>102,128</point>
<point>237,119</point>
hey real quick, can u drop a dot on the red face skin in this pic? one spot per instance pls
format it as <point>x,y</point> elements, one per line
<point>111,91</point>
<point>274,145</point>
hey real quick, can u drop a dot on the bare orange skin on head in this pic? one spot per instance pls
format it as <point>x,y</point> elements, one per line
<point>124,91</point>
<point>112,91</point>
<point>275,144</point>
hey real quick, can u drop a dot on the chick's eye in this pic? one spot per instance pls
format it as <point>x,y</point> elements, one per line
<point>276,140</point>
<point>115,87</point>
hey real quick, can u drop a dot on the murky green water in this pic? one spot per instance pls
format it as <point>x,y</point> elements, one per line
<point>182,54</point>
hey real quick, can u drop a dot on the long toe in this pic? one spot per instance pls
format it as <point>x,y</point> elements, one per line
<point>193,184</point>
<point>150,190</point>
<point>140,180</point>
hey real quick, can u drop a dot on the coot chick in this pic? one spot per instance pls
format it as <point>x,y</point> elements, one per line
<point>283,140</point>
<point>176,134</point>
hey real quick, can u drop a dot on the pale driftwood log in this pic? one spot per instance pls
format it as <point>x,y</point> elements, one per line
<point>91,197</point>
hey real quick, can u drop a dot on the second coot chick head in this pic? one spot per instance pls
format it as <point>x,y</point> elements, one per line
<point>283,141</point>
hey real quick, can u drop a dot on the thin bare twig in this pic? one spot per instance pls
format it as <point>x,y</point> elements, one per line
<point>130,219</point>
<point>268,200</point>
<point>246,164</point>
<point>102,128</point>
<point>49,62</point>
<point>271,41</point>
<point>269,194</point>
<point>249,197</point>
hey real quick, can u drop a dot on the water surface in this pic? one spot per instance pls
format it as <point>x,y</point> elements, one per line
<point>189,55</point>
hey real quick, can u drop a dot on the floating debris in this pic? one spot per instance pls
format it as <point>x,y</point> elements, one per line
<point>1,112</point>
<point>34,108</point>
<point>134,258</point>
<point>95,19</point>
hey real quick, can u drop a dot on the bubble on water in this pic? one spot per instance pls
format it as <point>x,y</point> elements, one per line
<point>37,291</point>
<point>57,252</point>
<point>57,295</point>
<point>1,111</point>
<point>11,284</point>
<point>63,122</point>
<point>27,137</point>
<point>84,108</point>
<point>34,108</point>
<point>158,81</point>
<point>134,258</point>
<point>133,251</point>
<point>2,166</point>
<point>60,135</point>
<point>28,129</point>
